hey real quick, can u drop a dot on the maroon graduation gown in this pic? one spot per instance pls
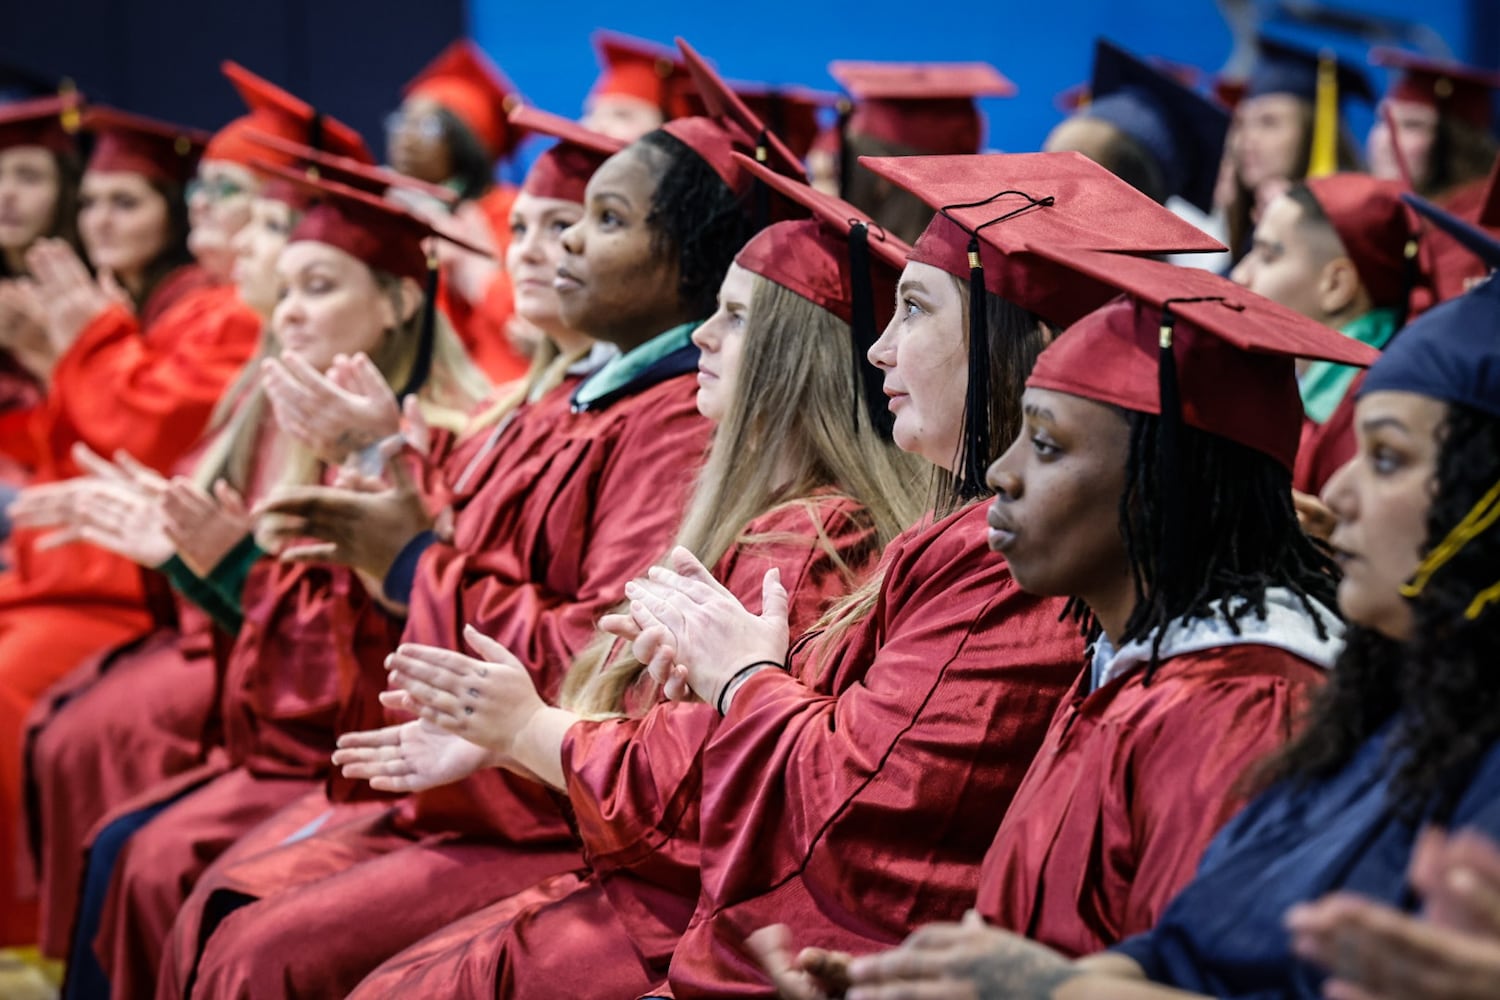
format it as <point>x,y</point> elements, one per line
<point>635,807</point>
<point>577,508</point>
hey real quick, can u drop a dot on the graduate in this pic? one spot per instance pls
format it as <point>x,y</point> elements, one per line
<point>580,494</point>
<point>75,772</point>
<point>351,276</point>
<point>857,789</point>
<point>641,87</point>
<point>780,358</point>
<point>903,109</point>
<point>1442,146</point>
<point>1339,250</point>
<point>1404,735</point>
<point>39,175</point>
<point>59,606</point>
<point>452,129</point>
<point>1288,125</point>
<point>1148,128</point>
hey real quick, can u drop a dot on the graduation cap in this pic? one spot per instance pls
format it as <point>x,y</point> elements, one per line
<point>464,81</point>
<point>1376,230</point>
<point>842,261</point>
<point>1287,69</point>
<point>993,208</point>
<point>645,71</point>
<point>274,111</point>
<point>725,106</point>
<point>928,107</point>
<point>1452,353</point>
<point>50,122</point>
<point>1182,130</point>
<point>790,113</point>
<point>563,171</point>
<point>314,163</point>
<point>129,143</point>
<point>379,233</point>
<point>1465,92</point>
<point>1191,347</point>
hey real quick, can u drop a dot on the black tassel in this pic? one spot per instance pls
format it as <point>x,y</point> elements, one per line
<point>315,131</point>
<point>976,441</point>
<point>868,381</point>
<point>1411,273</point>
<point>1168,448</point>
<point>762,191</point>
<point>422,367</point>
<point>846,157</point>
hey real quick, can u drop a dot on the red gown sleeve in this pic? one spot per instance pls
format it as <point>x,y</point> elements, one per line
<point>151,393</point>
<point>627,521</point>
<point>634,783</point>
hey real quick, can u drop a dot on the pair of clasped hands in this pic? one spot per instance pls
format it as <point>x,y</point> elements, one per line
<point>345,416</point>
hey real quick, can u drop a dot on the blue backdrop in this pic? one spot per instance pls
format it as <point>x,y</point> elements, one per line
<point>1044,46</point>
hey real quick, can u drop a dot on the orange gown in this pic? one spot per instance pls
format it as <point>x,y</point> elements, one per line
<point>149,392</point>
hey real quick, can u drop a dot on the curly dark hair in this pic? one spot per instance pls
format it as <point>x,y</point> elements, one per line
<point>697,219</point>
<point>473,169</point>
<point>1236,525</point>
<point>1441,683</point>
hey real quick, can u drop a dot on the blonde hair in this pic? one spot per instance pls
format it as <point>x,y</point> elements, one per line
<point>787,432</point>
<point>453,387</point>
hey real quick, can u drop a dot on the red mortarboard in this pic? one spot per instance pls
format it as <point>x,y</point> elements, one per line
<point>791,113</point>
<point>385,236</point>
<point>464,81</point>
<point>1000,205</point>
<point>134,144</point>
<point>46,121</point>
<point>840,260</point>
<point>563,171</point>
<point>1375,227</point>
<point>1231,350</point>
<point>923,106</point>
<point>725,107</point>
<point>273,111</point>
<point>646,71</point>
<point>1051,199</point>
<point>340,169</point>
<point>1465,92</point>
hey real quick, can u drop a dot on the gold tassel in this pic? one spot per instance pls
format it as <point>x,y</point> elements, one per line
<point>1324,156</point>
<point>1483,515</point>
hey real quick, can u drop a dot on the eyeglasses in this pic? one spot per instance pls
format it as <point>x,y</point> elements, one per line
<point>426,126</point>
<point>214,188</point>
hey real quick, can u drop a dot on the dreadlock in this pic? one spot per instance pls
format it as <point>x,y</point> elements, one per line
<point>1237,525</point>
<point>696,218</point>
<point>1441,682</point>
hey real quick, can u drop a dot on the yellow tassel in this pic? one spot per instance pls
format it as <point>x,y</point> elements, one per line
<point>1324,157</point>
<point>1487,596</point>
<point>1483,514</point>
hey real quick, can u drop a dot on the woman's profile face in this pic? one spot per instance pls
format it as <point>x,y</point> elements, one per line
<point>615,274</point>
<point>1382,498</point>
<point>720,340</point>
<point>30,185</point>
<point>330,304</point>
<point>417,142</point>
<point>534,251</point>
<point>1268,137</point>
<point>123,221</point>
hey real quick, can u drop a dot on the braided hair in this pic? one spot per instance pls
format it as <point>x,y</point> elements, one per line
<point>1237,526</point>
<point>696,218</point>
<point>1441,682</point>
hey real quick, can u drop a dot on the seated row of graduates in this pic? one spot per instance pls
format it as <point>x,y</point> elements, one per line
<point>823,707</point>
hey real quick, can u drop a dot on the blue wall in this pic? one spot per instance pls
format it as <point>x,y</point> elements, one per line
<point>1043,45</point>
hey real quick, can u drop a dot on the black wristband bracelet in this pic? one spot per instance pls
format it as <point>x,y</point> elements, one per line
<point>739,675</point>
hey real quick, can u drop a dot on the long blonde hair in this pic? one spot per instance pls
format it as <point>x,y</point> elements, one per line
<point>786,433</point>
<point>454,386</point>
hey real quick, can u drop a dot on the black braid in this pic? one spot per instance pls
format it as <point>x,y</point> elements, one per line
<point>1442,681</point>
<point>697,219</point>
<point>1237,527</point>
